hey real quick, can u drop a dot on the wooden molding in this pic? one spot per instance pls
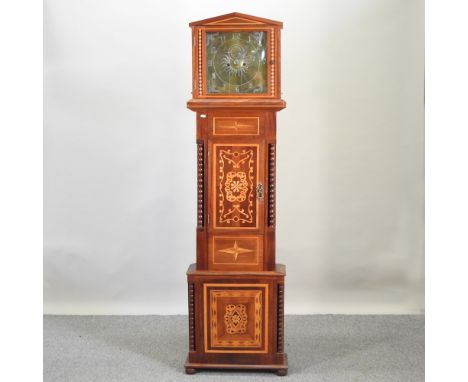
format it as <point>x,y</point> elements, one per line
<point>236,18</point>
<point>229,104</point>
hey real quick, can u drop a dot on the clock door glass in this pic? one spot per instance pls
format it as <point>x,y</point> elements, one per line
<point>236,62</point>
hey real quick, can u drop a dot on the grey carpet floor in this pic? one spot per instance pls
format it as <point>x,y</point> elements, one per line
<point>153,348</point>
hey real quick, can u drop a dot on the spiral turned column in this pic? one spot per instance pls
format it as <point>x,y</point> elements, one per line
<point>271,184</point>
<point>191,306</point>
<point>280,319</point>
<point>200,184</point>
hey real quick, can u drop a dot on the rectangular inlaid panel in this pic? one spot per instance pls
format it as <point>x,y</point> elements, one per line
<point>235,178</point>
<point>236,126</point>
<point>235,319</point>
<point>236,252</point>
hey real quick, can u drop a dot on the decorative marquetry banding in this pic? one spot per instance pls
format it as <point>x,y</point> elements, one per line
<point>235,318</point>
<point>191,304</point>
<point>271,184</point>
<point>280,319</point>
<point>200,184</point>
<point>273,63</point>
<point>200,63</point>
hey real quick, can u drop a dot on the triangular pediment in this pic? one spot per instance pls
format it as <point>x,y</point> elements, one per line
<point>235,18</point>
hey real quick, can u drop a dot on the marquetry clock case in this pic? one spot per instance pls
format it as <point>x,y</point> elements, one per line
<point>236,289</point>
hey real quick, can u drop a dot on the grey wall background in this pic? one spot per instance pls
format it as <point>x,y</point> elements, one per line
<point>119,177</point>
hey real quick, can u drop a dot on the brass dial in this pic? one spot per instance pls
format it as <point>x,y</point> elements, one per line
<point>236,62</point>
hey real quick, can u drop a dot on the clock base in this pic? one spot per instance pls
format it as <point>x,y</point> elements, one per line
<point>279,369</point>
<point>236,320</point>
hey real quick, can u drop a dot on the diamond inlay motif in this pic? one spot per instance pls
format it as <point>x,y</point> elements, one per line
<point>235,250</point>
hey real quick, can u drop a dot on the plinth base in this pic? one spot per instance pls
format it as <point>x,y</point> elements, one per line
<point>279,369</point>
<point>236,320</point>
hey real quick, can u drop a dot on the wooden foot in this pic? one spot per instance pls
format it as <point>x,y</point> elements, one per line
<point>190,370</point>
<point>282,372</point>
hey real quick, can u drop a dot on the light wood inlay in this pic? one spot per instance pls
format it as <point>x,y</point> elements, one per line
<point>236,126</point>
<point>235,21</point>
<point>236,318</point>
<point>236,250</point>
<point>216,299</point>
<point>235,175</point>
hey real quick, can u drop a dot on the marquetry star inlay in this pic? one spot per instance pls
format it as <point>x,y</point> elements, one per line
<point>235,250</point>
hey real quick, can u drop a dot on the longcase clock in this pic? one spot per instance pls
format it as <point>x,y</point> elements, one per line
<point>236,289</point>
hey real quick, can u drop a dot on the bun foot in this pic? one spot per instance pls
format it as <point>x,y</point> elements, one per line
<point>282,372</point>
<point>190,370</point>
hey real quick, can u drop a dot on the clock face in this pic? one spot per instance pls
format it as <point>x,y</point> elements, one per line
<point>236,62</point>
